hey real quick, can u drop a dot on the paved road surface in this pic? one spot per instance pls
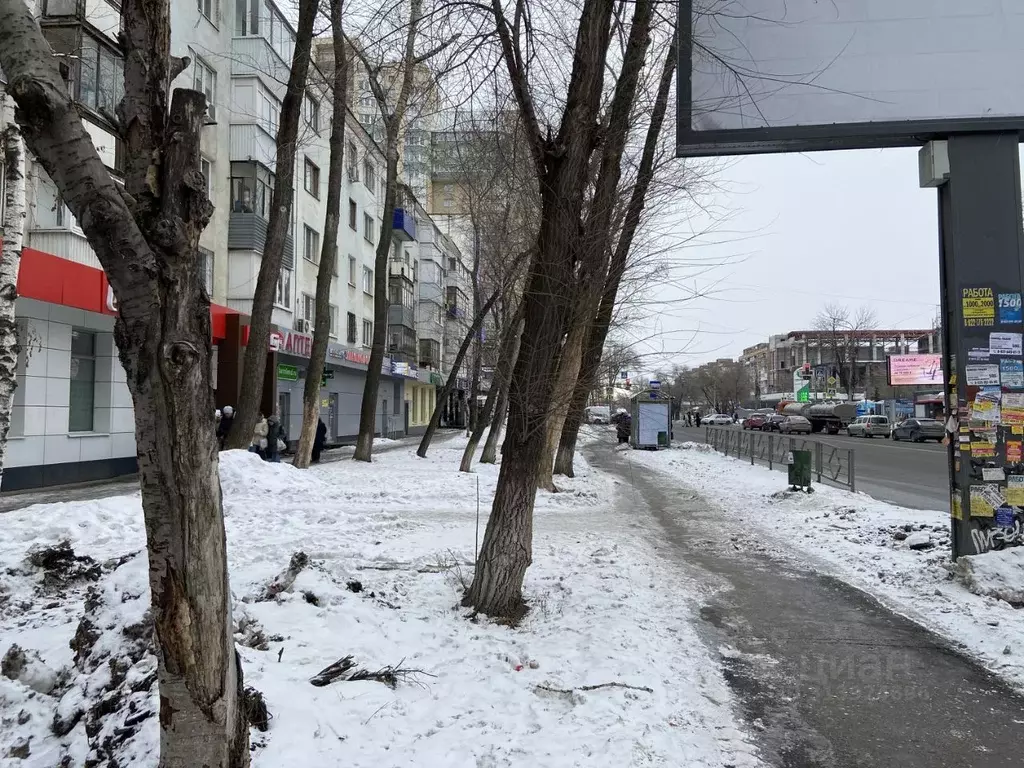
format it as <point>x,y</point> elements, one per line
<point>909,474</point>
<point>826,677</point>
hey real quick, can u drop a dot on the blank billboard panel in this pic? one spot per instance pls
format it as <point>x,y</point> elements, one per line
<point>792,75</point>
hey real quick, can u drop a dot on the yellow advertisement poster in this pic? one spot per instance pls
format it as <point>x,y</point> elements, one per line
<point>985,499</point>
<point>956,508</point>
<point>979,307</point>
<point>1015,490</point>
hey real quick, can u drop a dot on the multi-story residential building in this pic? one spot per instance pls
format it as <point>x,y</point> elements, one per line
<point>73,418</point>
<point>755,360</point>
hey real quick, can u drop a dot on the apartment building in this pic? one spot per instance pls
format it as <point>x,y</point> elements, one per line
<point>73,418</point>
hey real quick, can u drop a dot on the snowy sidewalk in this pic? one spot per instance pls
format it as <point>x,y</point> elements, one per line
<point>898,555</point>
<point>390,544</point>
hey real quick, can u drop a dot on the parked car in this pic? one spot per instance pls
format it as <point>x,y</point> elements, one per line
<point>771,424</point>
<point>793,425</point>
<point>598,414</point>
<point>919,430</point>
<point>755,420</point>
<point>718,419</point>
<point>869,426</point>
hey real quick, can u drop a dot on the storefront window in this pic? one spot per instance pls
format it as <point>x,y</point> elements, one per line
<point>83,381</point>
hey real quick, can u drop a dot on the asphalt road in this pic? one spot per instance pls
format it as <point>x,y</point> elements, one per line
<point>908,474</point>
<point>826,676</point>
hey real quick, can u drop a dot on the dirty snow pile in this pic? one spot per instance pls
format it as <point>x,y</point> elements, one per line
<point>378,555</point>
<point>898,555</point>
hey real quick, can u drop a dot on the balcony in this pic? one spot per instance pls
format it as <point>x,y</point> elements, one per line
<point>430,353</point>
<point>254,55</point>
<point>249,142</point>
<point>402,344</point>
<point>248,232</point>
<point>404,226</point>
<point>399,315</point>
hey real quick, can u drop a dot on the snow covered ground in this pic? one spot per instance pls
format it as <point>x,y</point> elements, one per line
<point>868,544</point>
<point>389,546</point>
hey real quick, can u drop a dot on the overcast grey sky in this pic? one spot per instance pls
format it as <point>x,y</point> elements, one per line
<point>846,227</point>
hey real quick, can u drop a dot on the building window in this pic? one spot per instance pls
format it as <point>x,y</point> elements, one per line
<point>270,112</point>
<point>367,333</point>
<point>208,8</point>
<point>309,308</point>
<point>311,111</point>
<point>284,288</point>
<point>206,269</point>
<point>311,179</point>
<point>252,189</point>
<point>311,245</point>
<point>206,168</point>
<point>352,339</point>
<point>334,320</point>
<point>261,18</point>
<point>205,80</point>
<point>83,381</point>
<point>100,76</point>
<point>370,176</point>
<point>368,227</point>
<point>368,281</point>
<point>353,162</point>
<point>352,271</point>
<point>353,213</point>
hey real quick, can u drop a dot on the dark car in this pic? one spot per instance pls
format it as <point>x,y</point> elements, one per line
<point>919,430</point>
<point>755,421</point>
<point>773,422</point>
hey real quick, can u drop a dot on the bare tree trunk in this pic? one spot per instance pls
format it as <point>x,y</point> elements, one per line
<point>146,237</point>
<point>328,253</point>
<point>453,374</point>
<point>10,260</point>
<point>599,329</point>
<point>562,163</point>
<point>489,455</point>
<point>568,373</point>
<point>393,126</point>
<point>255,360</point>
<point>598,231</point>
<point>507,351</point>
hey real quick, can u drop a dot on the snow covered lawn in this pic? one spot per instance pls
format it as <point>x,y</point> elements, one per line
<point>898,555</point>
<point>389,545</point>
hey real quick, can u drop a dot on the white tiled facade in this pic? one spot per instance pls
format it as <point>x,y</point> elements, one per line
<point>68,425</point>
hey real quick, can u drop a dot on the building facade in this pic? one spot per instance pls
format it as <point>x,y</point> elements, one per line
<point>73,418</point>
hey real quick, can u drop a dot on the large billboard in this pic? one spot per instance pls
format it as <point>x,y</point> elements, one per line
<point>800,75</point>
<point>914,370</point>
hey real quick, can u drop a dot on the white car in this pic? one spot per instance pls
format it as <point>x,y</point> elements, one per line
<point>717,418</point>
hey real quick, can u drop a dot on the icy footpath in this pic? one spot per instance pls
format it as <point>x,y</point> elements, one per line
<point>898,555</point>
<point>389,546</point>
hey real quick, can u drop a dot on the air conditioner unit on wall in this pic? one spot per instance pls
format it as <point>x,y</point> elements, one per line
<point>302,325</point>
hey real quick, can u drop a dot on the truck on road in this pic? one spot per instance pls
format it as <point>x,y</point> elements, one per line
<point>824,417</point>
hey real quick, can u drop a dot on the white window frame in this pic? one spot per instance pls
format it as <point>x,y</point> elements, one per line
<point>270,112</point>
<point>367,281</point>
<point>369,175</point>
<point>308,308</point>
<point>311,112</point>
<point>284,289</point>
<point>368,229</point>
<point>352,270</point>
<point>310,235</point>
<point>334,320</point>
<point>204,79</point>
<point>311,178</point>
<point>367,333</point>
<point>351,324</point>
<point>75,357</point>
<point>209,10</point>
<point>207,174</point>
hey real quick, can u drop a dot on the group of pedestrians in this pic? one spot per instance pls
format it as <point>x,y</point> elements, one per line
<point>691,417</point>
<point>269,438</point>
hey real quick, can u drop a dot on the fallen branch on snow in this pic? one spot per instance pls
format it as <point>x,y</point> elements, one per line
<point>570,691</point>
<point>284,580</point>
<point>345,669</point>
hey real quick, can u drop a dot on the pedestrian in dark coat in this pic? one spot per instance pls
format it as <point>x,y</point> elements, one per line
<point>319,440</point>
<point>227,418</point>
<point>275,437</point>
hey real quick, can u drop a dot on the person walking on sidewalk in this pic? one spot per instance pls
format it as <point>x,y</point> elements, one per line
<point>319,440</point>
<point>259,437</point>
<point>276,438</point>
<point>227,418</point>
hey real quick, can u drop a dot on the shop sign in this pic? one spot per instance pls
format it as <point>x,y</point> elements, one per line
<point>291,343</point>
<point>337,352</point>
<point>287,372</point>
<point>436,380</point>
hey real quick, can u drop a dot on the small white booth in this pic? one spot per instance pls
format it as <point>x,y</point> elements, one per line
<point>651,418</point>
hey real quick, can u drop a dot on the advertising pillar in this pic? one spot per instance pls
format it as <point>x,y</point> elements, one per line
<point>978,177</point>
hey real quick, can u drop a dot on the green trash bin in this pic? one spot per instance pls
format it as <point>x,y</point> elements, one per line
<point>800,469</point>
